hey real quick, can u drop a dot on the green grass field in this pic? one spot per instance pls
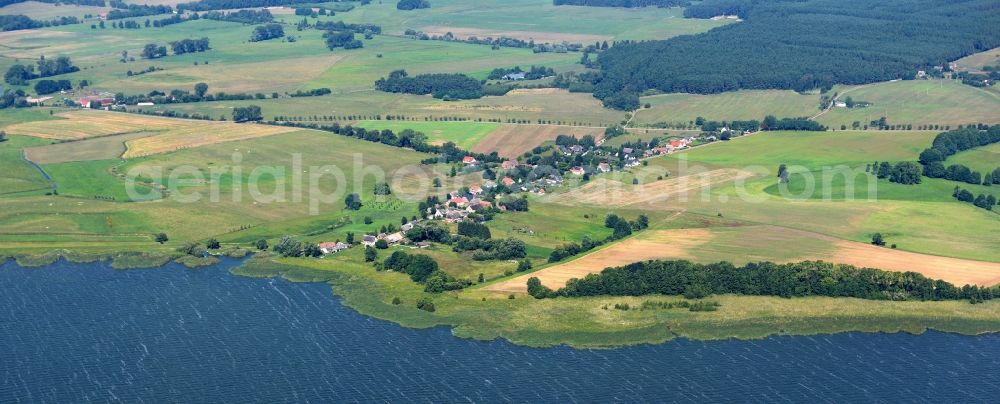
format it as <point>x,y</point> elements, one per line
<point>16,175</point>
<point>464,134</point>
<point>47,11</point>
<point>919,102</point>
<point>983,159</point>
<point>534,16</point>
<point>92,180</point>
<point>976,61</point>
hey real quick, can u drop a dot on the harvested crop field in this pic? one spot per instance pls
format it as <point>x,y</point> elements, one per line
<point>85,123</point>
<point>97,148</point>
<point>606,192</point>
<point>758,243</point>
<point>513,140</point>
<point>170,133</point>
<point>199,136</point>
<point>671,244</point>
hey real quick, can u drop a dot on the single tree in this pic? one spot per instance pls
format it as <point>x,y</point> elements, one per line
<point>212,244</point>
<point>260,244</point>
<point>162,238</point>
<point>200,89</point>
<point>370,254</point>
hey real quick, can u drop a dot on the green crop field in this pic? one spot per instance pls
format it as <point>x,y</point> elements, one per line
<point>738,105</point>
<point>464,134</point>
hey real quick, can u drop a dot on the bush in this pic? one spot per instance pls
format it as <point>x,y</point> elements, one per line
<point>425,304</point>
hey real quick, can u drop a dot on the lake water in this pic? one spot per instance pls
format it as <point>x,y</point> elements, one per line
<point>74,333</point>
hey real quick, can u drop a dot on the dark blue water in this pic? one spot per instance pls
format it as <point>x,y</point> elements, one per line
<point>87,333</point>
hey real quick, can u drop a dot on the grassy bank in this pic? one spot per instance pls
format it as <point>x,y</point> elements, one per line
<point>595,323</point>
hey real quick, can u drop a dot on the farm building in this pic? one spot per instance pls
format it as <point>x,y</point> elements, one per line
<point>333,248</point>
<point>86,102</point>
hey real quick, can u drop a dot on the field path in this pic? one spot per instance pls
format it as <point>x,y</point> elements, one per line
<point>833,102</point>
<point>712,245</point>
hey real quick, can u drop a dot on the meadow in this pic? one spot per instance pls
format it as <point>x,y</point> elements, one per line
<point>976,61</point>
<point>525,19</point>
<point>17,175</point>
<point>47,11</point>
<point>919,102</point>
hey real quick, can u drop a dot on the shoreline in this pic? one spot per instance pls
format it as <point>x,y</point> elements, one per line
<point>578,323</point>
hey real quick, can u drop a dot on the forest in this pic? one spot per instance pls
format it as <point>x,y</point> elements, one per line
<point>448,86</point>
<point>808,278</point>
<point>800,45</point>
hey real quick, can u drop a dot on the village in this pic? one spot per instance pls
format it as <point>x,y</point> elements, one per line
<point>503,181</point>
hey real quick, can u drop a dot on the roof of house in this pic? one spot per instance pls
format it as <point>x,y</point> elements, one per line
<point>509,164</point>
<point>468,159</point>
<point>369,238</point>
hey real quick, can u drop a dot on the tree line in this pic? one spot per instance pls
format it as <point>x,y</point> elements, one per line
<point>800,279</point>
<point>19,74</point>
<point>949,143</point>
<point>424,270</point>
<point>447,86</point>
<point>621,228</point>
<point>534,73</point>
<point>125,10</point>
<point>241,16</point>
<point>622,3</point>
<point>206,5</point>
<point>982,201</point>
<point>341,39</point>
<point>904,172</point>
<point>407,138</point>
<point>800,45</point>
<point>412,4</point>
<point>19,22</point>
<point>267,31</point>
